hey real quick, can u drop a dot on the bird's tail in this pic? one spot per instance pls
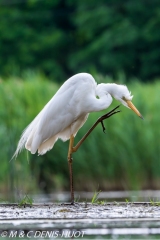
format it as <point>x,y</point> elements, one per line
<point>25,135</point>
<point>22,142</point>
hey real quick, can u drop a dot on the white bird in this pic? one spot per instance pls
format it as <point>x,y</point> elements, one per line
<point>68,110</point>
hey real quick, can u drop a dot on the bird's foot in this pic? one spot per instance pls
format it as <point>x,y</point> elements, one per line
<point>107,115</point>
<point>103,127</point>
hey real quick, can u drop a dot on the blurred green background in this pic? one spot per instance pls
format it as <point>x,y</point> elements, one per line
<point>43,43</point>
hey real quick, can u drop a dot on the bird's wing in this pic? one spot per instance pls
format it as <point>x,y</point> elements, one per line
<point>53,118</point>
<point>58,114</point>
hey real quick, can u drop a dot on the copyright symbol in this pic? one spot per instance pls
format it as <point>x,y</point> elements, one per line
<point>4,234</point>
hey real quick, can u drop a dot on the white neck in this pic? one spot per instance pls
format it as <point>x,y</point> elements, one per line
<point>110,88</point>
<point>104,100</point>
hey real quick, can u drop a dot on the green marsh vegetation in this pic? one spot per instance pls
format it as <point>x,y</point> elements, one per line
<point>126,157</point>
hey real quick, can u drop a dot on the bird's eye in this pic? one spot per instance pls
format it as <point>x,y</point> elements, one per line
<point>123,98</point>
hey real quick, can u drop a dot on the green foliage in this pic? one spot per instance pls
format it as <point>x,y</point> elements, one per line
<point>36,38</point>
<point>61,38</point>
<point>17,109</point>
<point>126,157</point>
<point>118,36</point>
<point>26,200</point>
<point>154,203</point>
<point>95,197</point>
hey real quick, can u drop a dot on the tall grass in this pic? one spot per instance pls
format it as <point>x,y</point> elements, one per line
<point>126,157</point>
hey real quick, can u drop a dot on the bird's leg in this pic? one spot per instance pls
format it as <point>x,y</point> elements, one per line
<point>74,149</point>
<point>100,120</point>
<point>70,159</point>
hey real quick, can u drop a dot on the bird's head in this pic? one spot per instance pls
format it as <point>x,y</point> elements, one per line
<point>123,95</point>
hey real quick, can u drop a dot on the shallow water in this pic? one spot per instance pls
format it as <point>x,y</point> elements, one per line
<point>89,229</point>
<point>87,221</point>
<point>113,219</point>
<point>119,196</point>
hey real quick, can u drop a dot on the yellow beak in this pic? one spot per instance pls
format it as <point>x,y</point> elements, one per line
<point>131,106</point>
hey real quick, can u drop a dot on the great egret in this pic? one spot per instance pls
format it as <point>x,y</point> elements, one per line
<point>66,113</point>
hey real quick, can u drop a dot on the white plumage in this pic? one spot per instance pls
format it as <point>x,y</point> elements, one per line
<point>68,110</point>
